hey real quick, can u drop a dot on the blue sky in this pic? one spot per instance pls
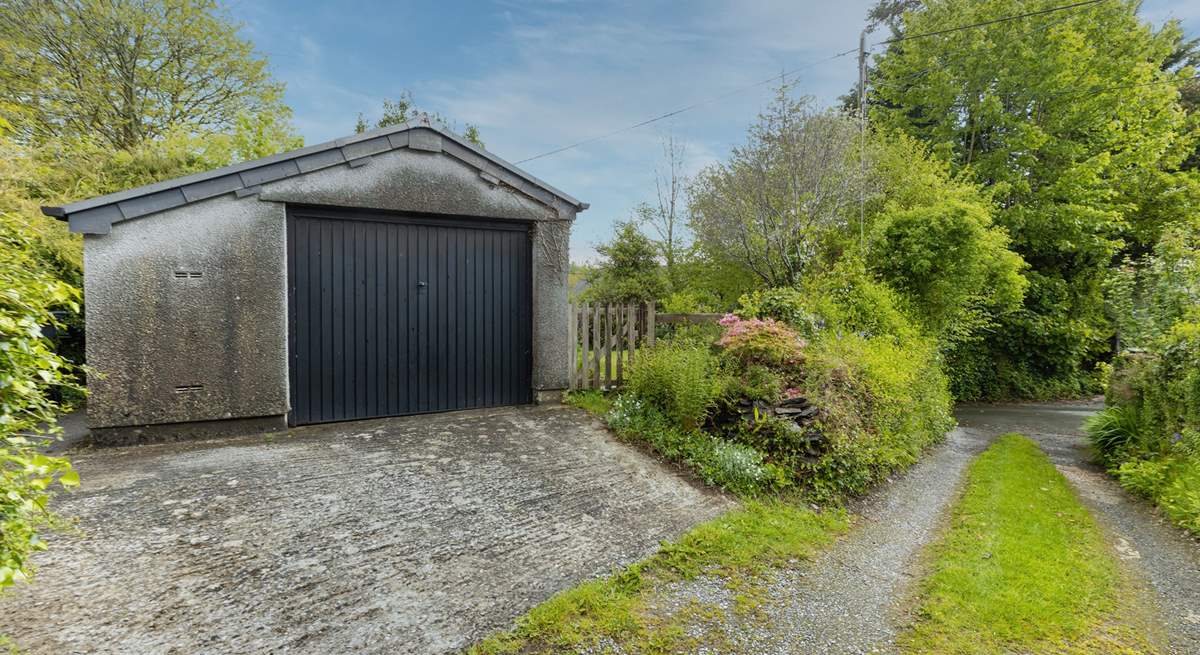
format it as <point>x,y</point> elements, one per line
<point>537,74</point>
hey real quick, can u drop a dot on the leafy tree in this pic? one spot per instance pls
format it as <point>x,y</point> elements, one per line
<point>890,13</point>
<point>60,170</point>
<point>708,284</point>
<point>126,71</point>
<point>1074,127</point>
<point>772,207</point>
<point>1147,296</point>
<point>1185,57</point>
<point>629,270</point>
<point>932,239</point>
<point>403,109</point>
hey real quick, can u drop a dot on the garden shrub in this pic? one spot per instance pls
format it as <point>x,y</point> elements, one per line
<point>756,383</point>
<point>30,371</point>
<point>843,300</point>
<point>680,378</point>
<point>882,403</point>
<point>1160,390</point>
<point>737,468</point>
<point>787,304</point>
<point>1172,482</point>
<point>690,301</point>
<point>786,443</point>
<point>876,378</point>
<point>1113,433</point>
<point>1155,451</point>
<point>765,342</point>
<point>842,341</point>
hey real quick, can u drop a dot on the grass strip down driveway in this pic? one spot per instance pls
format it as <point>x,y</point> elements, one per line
<point>1023,568</point>
<point>738,546</point>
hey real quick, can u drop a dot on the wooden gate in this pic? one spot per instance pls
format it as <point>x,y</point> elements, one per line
<point>605,338</point>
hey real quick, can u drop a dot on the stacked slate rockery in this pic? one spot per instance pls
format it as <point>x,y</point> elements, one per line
<point>797,416</point>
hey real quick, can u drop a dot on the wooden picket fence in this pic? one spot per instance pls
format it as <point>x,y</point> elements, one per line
<point>605,338</point>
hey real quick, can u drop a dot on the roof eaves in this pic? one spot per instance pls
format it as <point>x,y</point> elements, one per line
<point>96,215</point>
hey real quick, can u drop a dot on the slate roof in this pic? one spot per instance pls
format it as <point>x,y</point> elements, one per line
<point>96,215</point>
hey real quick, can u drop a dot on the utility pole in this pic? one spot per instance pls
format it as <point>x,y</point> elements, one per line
<point>862,138</point>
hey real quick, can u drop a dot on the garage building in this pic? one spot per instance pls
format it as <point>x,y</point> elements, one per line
<point>398,271</point>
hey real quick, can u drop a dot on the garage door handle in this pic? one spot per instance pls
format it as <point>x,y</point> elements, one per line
<point>422,284</point>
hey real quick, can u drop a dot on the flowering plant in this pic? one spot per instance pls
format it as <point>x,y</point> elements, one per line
<point>761,341</point>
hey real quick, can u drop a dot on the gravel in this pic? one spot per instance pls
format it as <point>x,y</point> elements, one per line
<point>1165,556</point>
<point>850,599</point>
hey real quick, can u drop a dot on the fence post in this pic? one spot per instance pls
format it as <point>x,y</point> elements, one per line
<point>631,327</point>
<point>585,374</point>
<point>596,346</point>
<point>572,327</point>
<point>650,323</point>
<point>619,341</point>
<point>608,344</point>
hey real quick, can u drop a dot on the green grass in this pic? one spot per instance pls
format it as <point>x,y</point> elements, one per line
<point>1023,568</point>
<point>623,356</point>
<point>593,401</point>
<point>738,546</point>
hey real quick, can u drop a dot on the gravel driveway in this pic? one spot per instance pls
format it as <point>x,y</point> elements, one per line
<point>848,599</point>
<point>411,535</point>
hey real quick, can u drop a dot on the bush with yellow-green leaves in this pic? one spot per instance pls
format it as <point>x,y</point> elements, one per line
<point>29,370</point>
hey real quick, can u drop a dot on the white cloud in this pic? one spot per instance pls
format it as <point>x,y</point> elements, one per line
<point>575,76</point>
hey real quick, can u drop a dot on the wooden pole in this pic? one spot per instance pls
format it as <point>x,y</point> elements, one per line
<point>572,326</point>
<point>619,341</point>
<point>586,354</point>
<point>650,323</point>
<point>596,345</point>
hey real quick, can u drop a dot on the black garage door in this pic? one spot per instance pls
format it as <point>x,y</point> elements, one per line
<point>400,314</point>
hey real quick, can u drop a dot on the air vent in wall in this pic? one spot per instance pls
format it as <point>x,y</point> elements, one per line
<point>189,388</point>
<point>186,275</point>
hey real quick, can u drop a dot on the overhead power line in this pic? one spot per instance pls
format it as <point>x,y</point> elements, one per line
<point>963,56</point>
<point>690,107</point>
<point>1005,19</point>
<point>783,75</point>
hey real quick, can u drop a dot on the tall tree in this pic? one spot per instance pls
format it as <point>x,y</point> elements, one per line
<point>1185,60</point>
<point>1072,123</point>
<point>771,206</point>
<point>126,71</point>
<point>666,216</point>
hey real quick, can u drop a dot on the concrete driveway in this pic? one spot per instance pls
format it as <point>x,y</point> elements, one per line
<point>410,535</point>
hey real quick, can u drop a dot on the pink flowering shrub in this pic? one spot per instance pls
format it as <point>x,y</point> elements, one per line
<point>761,341</point>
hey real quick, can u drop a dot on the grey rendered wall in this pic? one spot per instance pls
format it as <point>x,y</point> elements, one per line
<point>149,332</point>
<point>153,338</point>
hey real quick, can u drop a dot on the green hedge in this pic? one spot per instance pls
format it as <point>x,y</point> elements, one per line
<point>30,371</point>
<point>882,401</point>
<point>1149,436</point>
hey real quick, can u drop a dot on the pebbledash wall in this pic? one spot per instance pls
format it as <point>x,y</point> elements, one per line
<point>187,296</point>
